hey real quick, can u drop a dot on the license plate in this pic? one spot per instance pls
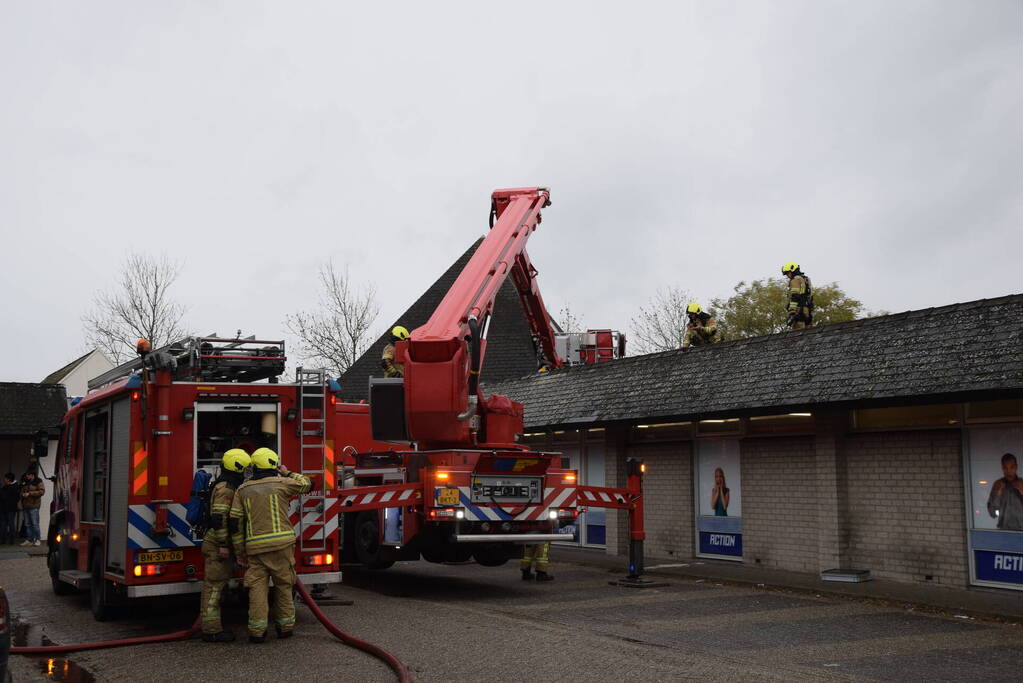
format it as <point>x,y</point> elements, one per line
<point>506,491</point>
<point>160,556</point>
<point>447,497</point>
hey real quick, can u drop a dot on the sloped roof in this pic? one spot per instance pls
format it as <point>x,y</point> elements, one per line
<point>961,350</point>
<point>55,377</point>
<point>27,407</point>
<point>509,353</point>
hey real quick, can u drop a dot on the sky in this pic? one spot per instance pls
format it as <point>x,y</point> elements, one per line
<point>688,144</point>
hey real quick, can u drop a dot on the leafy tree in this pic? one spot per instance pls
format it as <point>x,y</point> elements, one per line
<point>761,307</point>
<point>338,333</point>
<point>139,306</point>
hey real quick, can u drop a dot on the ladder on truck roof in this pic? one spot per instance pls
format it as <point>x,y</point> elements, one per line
<point>312,438</point>
<point>207,359</point>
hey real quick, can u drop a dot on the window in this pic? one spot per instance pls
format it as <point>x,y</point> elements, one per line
<point>995,411</point>
<point>781,424</point>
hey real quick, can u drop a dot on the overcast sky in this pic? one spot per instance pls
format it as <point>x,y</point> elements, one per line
<point>685,143</point>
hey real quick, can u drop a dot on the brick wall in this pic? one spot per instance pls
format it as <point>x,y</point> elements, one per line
<point>905,517</point>
<point>668,496</point>
<point>779,505</point>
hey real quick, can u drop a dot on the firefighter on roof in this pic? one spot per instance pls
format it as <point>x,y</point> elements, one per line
<point>702,328</point>
<point>216,546</point>
<point>800,308</point>
<point>392,369</point>
<point>265,542</point>
<point>538,554</point>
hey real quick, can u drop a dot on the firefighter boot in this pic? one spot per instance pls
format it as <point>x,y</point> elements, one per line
<point>257,639</point>
<point>527,575</point>
<point>221,637</point>
<point>543,576</point>
<point>281,633</point>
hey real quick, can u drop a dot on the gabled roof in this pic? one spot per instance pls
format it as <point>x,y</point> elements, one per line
<point>55,377</point>
<point>510,351</point>
<point>972,349</point>
<point>59,375</point>
<point>27,407</point>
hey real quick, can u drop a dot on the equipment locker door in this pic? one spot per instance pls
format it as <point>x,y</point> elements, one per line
<point>117,519</point>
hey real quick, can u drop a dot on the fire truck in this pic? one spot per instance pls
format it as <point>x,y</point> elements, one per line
<point>460,485</point>
<point>129,450</point>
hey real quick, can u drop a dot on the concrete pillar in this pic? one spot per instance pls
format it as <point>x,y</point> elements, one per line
<point>616,450</point>
<point>831,489</point>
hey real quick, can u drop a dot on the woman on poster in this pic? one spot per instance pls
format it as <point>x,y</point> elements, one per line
<point>720,495</point>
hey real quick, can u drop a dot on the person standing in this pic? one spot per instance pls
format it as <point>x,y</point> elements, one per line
<point>216,544</point>
<point>32,490</point>
<point>264,541</point>
<point>392,369</point>
<point>10,494</point>
<point>800,308</point>
<point>537,554</point>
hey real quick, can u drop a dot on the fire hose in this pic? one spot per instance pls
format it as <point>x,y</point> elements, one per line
<point>346,638</point>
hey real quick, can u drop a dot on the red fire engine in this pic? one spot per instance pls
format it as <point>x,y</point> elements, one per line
<point>129,450</point>
<point>461,486</point>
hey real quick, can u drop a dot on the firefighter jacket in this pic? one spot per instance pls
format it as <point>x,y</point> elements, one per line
<point>220,511</point>
<point>706,332</point>
<point>391,369</point>
<point>259,513</point>
<point>800,298</point>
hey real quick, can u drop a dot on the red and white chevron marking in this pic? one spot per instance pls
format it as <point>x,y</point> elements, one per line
<point>598,498</point>
<point>397,498</point>
<point>314,521</point>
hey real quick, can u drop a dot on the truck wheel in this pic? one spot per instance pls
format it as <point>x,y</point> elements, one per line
<point>53,564</point>
<point>367,541</point>
<point>101,609</point>
<point>490,555</point>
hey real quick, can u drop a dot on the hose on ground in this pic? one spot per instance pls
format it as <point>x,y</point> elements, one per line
<point>346,638</point>
<point>102,644</point>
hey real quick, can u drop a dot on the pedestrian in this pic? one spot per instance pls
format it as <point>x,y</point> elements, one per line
<point>392,369</point>
<point>10,495</point>
<point>216,544</point>
<point>701,329</point>
<point>537,554</point>
<point>264,541</point>
<point>32,490</point>
<point>800,307</point>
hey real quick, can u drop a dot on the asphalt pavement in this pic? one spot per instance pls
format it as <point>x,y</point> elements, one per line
<point>472,623</point>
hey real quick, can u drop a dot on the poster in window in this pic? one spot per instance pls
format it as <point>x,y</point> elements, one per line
<point>719,492</point>
<point>996,495</point>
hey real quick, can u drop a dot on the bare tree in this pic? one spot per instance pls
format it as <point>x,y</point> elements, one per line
<point>339,332</point>
<point>139,306</point>
<point>661,324</point>
<point>568,321</point>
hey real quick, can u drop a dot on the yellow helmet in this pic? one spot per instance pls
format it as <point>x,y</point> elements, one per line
<point>399,332</point>
<point>265,459</point>
<point>789,267</point>
<point>694,308</point>
<point>235,460</point>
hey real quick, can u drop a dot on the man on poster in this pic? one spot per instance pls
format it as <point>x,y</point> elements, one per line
<point>1005,503</point>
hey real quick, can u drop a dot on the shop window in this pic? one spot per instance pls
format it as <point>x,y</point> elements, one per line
<point>732,425</point>
<point>907,416</point>
<point>1010,410</point>
<point>781,424</point>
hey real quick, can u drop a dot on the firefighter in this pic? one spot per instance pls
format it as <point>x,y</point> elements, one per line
<point>265,542</point>
<point>800,307</point>
<point>216,545</point>
<point>538,554</point>
<point>392,369</point>
<point>701,329</point>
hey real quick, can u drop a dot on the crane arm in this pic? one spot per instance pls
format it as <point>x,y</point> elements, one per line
<point>443,358</point>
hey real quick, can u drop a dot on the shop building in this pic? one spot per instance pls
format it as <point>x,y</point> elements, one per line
<point>874,445</point>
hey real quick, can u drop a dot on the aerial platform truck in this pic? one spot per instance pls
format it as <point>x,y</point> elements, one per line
<point>128,452</point>
<point>455,483</point>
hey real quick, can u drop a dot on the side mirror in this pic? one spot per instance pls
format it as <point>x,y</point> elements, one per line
<point>41,444</point>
